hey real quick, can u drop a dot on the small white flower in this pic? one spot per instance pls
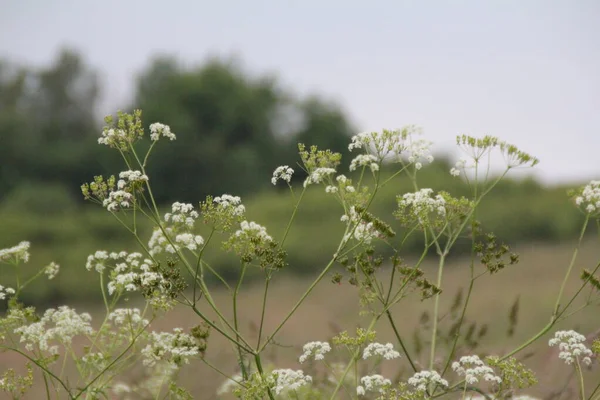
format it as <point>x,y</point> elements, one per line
<point>287,379</point>
<point>6,291</point>
<point>283,173</point>
<point>157,130</point>
<point>364,160</point>
<point>373,383</point>
<point>589,198</point>
<point>252,229</point>
<point>571,345</point>
<point>177,348</point>
<point>16,253</point>
<point>422,380</point>
<point>331,189</point>
<point>474,369</point>
<point>51,270</point>
<point>315,349</point>
<point>318,175</point>
<point>384,350</point>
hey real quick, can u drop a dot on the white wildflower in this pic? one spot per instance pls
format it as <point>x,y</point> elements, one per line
<point>59,325</point>
<point>289,380</point>
<point>252,229</point>
<point>315,349</point>
<point>189,241</point>
<point>157,130</point>
<point>373,383</point>
<point>421,204</point>
<point>474,369</point>
<point>51,270</point>
<point>112,137</point>
<point>16,253</point>
<point>127,316</point>
<point>6,292</point>
<point>384,350</point>
<point>331,189</point>
<point>422,380</point>
<point>233,203</point>
<point>97,261</point>
<point>572,347</point>
<point>283,173</point>
<point>318,175</point>
<point>589,198</point>
<point>364,160</point>
<point>176,348</point>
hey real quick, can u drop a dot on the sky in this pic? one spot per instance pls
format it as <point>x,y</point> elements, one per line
<point>526,71</point>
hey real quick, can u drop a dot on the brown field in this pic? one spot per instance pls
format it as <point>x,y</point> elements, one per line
<point>332,308</point>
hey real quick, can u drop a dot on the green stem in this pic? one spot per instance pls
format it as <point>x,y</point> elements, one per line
<point>436,309</point>
<point>404,349</point>
<point>262,314</point>
<point>580,376</point>
<point>293,216</point>
<point>262,374</point>
<point>235,319</point>
<point>573,258</point>
<point>221,331</point>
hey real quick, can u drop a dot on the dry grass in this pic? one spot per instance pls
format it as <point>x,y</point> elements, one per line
<point>332,308</point>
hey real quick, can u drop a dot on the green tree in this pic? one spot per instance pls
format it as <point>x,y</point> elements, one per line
<point>234,129</point>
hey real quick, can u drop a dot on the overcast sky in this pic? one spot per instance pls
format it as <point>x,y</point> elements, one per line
<point>526,71</point>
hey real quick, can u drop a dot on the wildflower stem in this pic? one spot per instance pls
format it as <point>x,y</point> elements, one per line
<point>262,313</point>
<point>235,319</point>
<point>580,376</point>
<point>573,258</point>
<point>436,310</point>
<point>400,341</point>
<point>221,331</point>
<point>42,367</point>
<point>289,225</point>
<point>261,372</point>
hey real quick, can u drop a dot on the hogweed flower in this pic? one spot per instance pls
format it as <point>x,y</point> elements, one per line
<point>315,349</point>
<point>588,198</point>
<point>384,350</point>
<point>176,348</point>
<point>572,347</point>
<point>59,325</point>
<point>16,253</point>
<point>288,380</point>
<point>364,160</point>
<point>157,130</point>
<point>6,291</point>
<point>283,173</point>
<point>127,130</point>
<point>318,175</point>
<point>473,368</point>
<point>372,383</point>
<point>51,270</point>
<point>222,212</point>
<point>424,379</point>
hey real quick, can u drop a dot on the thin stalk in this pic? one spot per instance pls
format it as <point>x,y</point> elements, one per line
<point>573,258</point>
<point>293,216</point>
<point>262,314</point>
<point>235,319</point>
<point>261,372</point>
<point>404,349</point>
<point>436,309</point>
<point>221,331</point>
<point>580,376</point>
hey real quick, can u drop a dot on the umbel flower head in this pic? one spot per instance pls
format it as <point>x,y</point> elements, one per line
<point>474,369</point>
<point>16,253</point>
<point>572,347</point>
<point>588,198</point>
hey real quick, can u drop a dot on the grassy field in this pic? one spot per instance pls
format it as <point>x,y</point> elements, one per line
<point>333,308</point>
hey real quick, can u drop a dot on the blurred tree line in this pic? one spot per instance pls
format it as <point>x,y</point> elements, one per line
<point>233,129</point>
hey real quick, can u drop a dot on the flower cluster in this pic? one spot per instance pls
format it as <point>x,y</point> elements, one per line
<point>129,182</point>
<point>288,379</point>
<point>231,203</point>
<point>129,177</point>
<point>473,368</point>
<point>422,380</point>
<point>316,350</point>
<point>460,166</point>
<point>589,197</point>
<point>157,130</point>
<point>130,317</point>
<point>60,325</point>
<point>283,173</point>
<point>318,175</point>
<point>175,348</point>
<point>377,349</point>
<point>364,160</point>
<point>372,383</point>
<point>421,207</point>
<point>177,225</point>
<point>396,144</point>
<point>16,253</point>
<point>127,130</point>
<point>572,347</point>
<point>51,270</point>
<point>478,147</point>
<point>6,291</point>
<point>250,230</point>
<point>364,231</point>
